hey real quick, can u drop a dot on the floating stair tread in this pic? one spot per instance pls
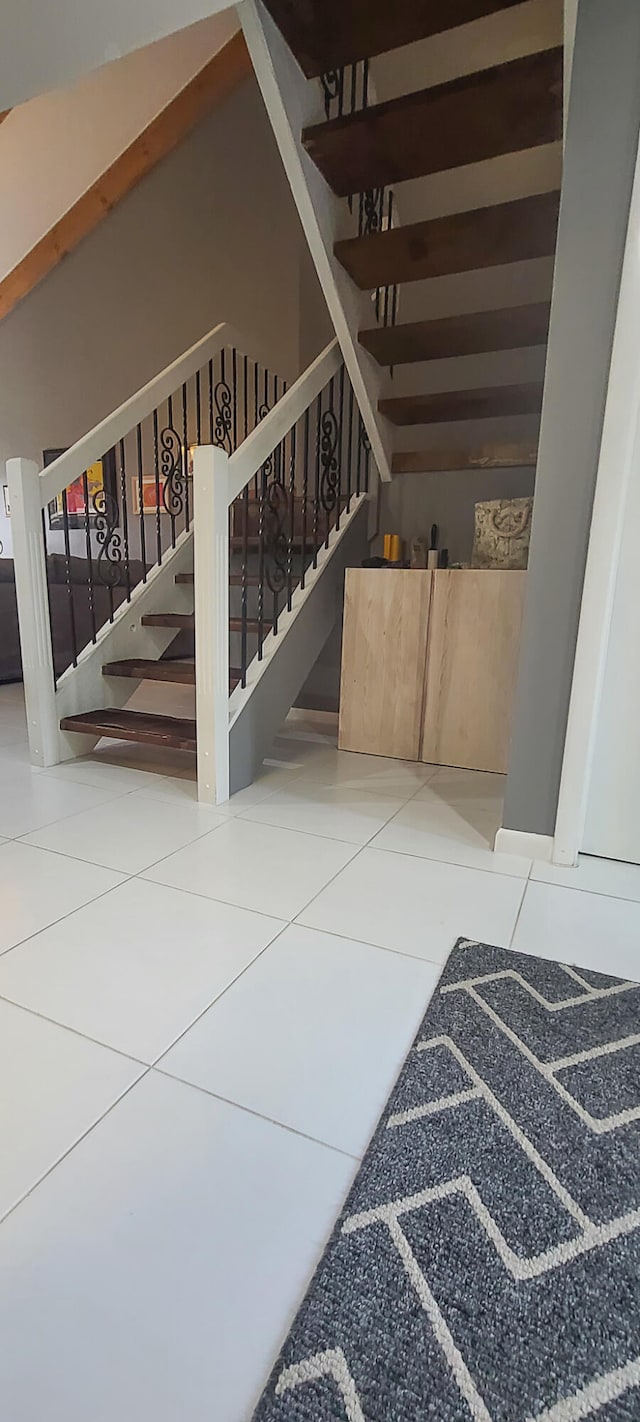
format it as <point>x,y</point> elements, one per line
<point>146,669</point>
<point>326,34</point>
<point>486,456</point>
<point>506,109</point>
<point>463,404</point>
<point>124,725</point>
<point>464,241</point>
<point>459,335</point>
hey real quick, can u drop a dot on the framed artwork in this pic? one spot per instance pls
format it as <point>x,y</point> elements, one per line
<point>149,495</point>
<point>7,504</point>
<point>100,476</point>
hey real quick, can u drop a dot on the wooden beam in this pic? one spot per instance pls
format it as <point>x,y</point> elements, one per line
<point>484,456</point>
<point>469,334</point>
<point>464,404</point>
<point>506,109</point>
<point>210,87</point>
<point>326,34</point>
<point>462,242</point>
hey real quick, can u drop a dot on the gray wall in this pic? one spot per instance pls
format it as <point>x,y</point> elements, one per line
<point>211,234</point>
<point>413,502</point>
<point>602,138</point>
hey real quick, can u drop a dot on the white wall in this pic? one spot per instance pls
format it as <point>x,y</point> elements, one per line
<point>46,45</point>
<point>55,147</point>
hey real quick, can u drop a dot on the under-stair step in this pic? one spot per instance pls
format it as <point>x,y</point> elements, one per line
<point>187,621</point>
<point>459,335</point>
<point>235,579</point>
<point>125,725</point>
<point>146,669</point>
<point>462,242</point>
<point>484,456</point>
<point>326,34</point>
<point>506,109</point>
<point>452,405</point>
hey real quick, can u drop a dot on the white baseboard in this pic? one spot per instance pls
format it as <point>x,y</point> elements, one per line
<point>528,846</point>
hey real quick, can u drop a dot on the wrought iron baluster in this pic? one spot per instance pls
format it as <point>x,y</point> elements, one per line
<point>211,402</point>
<point>87,544</point>
<point>156,461</point>
<point>255,418</point>
<point>48,582</point>
<point>330,86</point>
<point>305,490</point>
<point>125,520</point>
<point>245,584</point>
<point>358,453</point>
<point>365,84</point>
<point>354,79</point>
<point>340,445</point>
<point>349,447</point>
<point>316,487</point>
<point>224,411</point>
<point>172,466</point>
<point>245,396</point>
<point>276,542</point>
<point>329,461</point>
<point>143,540</point>
<point>198,409</point>
<point>292,512</point>
<point>105,506</point>
<point>185,456</point>
<point>234,386</point>
<point>366,445</point>
<point>261,518</point>
<point>68,579</point>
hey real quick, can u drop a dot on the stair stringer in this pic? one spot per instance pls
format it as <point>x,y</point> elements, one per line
<point>258,710</point>
<point>83,687</point>
<point>288,99</point>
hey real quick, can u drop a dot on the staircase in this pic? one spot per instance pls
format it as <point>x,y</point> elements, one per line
<point>380,159</point>
<point>198,536</point>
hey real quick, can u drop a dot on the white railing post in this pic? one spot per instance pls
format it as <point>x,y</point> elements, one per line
<point>211,592</point>
<point>33,611</point>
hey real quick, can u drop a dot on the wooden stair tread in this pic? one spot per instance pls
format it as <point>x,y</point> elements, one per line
<point>455,405</point>
<point>463,241</point>
<point>125,725</point>
<point>506,109</point>
<point>326,34</point>
<point>146,669</point>
<point>461,335</point>
<point>187,621</point>
<point>485,456</point>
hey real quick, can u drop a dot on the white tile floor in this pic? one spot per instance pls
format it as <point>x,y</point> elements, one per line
<point>201,1015</point>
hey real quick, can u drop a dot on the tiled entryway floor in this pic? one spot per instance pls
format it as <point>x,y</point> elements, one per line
<point>202,1013</point>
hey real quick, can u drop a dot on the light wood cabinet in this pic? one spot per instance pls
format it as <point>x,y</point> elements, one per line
<point>384,647</point>
<point>429,664</point>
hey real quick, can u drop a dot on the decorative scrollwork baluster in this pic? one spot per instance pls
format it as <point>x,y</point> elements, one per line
<point>330,82</point>
<point>105,507</point>
<point>223,420</point>
<point>329,461</point>
<point>276,542</point>
<point>172,471</point>
<point>371,209</point>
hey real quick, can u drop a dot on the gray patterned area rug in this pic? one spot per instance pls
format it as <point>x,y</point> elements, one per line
<point>486,1263</point>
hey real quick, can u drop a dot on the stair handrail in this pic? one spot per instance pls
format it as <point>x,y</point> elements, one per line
<point>62,472</point>
<point>256,448</point>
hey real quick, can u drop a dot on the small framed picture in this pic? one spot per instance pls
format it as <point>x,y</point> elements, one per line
<point>151,493</point>
<point>101,475</point>
<point>7,504</point>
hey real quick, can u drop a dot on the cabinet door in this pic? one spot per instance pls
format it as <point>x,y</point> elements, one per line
<point>472,664</point>
<point>384,644</point>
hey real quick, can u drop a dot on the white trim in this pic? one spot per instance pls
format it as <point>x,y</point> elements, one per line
<point>528,846</point>
<point>33,611</point>
<point>289,100</point>
<point>619,456</point>
<point>211,590</point>
<point>256,448</point>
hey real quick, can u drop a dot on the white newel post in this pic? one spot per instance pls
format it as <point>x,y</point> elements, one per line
<point>211,590</point>
<point>33,611</point>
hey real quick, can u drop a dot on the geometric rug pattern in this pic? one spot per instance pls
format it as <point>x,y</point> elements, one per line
<point>486,1264</point>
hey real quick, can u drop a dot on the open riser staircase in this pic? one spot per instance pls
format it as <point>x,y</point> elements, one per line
<point>356,166</point>
<point>198,536</point>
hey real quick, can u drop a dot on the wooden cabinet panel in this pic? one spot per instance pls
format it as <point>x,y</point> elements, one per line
<point>472,664</point>
<point>384,643</point>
